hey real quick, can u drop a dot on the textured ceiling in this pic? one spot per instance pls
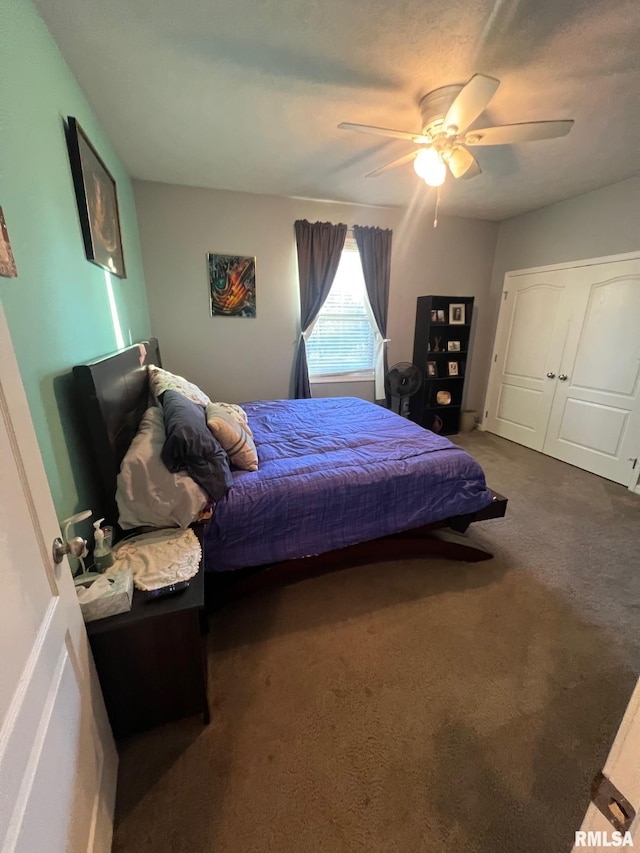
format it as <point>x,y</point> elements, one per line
<point>246,95</point>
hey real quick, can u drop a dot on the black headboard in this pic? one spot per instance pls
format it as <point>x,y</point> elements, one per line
<point>112,394</point>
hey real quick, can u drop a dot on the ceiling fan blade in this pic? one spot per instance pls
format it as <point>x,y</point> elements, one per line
<point>383,131</point>
<point>463,164</point>
<point>470,102</point>
<point>394,163</point>
<point>528,131</point>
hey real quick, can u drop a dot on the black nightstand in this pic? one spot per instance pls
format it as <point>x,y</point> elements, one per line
<point>152,661</point>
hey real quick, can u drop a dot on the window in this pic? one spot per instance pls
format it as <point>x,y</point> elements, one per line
<point>342,342</point>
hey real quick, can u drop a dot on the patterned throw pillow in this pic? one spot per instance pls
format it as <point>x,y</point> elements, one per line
<point>234,436</point>
<point>161,380</point>
<point>236,412</point>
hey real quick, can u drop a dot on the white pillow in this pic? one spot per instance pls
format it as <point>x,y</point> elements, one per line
<point>147,493</point>
<point>234,436</point>
<point>161,380</point>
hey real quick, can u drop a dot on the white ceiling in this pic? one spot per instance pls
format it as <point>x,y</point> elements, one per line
<point>246,94</point>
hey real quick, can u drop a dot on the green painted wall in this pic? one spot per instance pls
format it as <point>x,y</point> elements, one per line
<point>58,308</point>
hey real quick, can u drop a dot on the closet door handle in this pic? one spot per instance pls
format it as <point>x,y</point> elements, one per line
<point>551,375</point>
<point>563,377</point>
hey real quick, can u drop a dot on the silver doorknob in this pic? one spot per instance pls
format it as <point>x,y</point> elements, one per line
<point>562,377</point>
<point>551,375</point>
<point>76,547</point>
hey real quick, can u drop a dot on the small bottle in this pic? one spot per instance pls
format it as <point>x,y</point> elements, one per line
<point>102,556</point>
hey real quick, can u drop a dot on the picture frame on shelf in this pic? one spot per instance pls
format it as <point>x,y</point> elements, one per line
<point>453,346</point>
<point>97,201</point>
<point>457,314</point>
<point>443,398</point>
<point>434,315</point>
<point>440,314</point>
<point>452,367</point>
<point>432,369</point>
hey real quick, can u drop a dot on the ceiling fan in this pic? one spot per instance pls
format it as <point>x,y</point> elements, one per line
<point>446,114</point>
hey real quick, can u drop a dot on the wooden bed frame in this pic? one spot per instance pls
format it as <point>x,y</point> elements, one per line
<point>113,393</point>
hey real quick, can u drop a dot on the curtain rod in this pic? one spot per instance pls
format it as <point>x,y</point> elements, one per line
<point>377,227</point>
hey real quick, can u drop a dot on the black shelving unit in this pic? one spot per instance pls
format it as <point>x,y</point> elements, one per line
<point>442,322</point>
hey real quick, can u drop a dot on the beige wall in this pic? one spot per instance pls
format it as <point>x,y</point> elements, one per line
<point>241,359</point>
<point>596,224</point>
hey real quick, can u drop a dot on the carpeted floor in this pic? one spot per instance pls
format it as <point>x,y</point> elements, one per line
<point>418,705</point>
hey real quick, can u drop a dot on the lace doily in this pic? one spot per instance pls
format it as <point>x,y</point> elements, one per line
<point>158,559</point>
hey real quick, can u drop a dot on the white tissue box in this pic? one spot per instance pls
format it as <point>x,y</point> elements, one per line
<point>107,596</point>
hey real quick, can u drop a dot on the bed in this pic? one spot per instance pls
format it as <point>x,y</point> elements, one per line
<point>340,480</point>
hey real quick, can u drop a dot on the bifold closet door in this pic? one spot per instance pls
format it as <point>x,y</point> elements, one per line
<point>595,417</point>
<point>529,345</point>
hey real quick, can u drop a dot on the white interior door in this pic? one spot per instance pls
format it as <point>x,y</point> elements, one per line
<point>622,768</point>
<point>57,757</point>
<point>595,418</point>
<point>530,339</point>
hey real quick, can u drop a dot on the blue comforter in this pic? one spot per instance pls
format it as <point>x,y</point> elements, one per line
<point>334,472</point>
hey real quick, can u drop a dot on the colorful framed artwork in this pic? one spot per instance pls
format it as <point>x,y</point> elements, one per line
<point>457,314</point>
<point>7,261</point>
<point>232,285</point>
<point>97,202</point>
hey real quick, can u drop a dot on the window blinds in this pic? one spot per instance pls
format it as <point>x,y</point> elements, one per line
<point>342,340</point>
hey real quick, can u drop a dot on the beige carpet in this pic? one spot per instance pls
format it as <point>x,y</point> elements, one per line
<point>418,705</point>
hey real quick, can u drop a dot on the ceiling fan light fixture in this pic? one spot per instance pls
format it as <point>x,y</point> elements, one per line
<point>446,115</point>
<point>429,166</point>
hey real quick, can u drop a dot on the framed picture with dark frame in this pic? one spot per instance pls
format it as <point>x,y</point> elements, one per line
<point>97,200</point>
<point>456,314</point>
<point>232,285</point>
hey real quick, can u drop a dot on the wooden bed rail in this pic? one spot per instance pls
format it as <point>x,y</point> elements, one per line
<point>441,539</point>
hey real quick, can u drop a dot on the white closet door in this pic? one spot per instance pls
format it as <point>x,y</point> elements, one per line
<point>595,419</point>
<point>529,345</point>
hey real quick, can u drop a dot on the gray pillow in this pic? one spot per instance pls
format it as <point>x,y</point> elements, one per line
<point>147,493</point>
<point>190,446</point>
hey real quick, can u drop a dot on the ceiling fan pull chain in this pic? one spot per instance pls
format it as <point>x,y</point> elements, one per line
<point>435,216</point>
